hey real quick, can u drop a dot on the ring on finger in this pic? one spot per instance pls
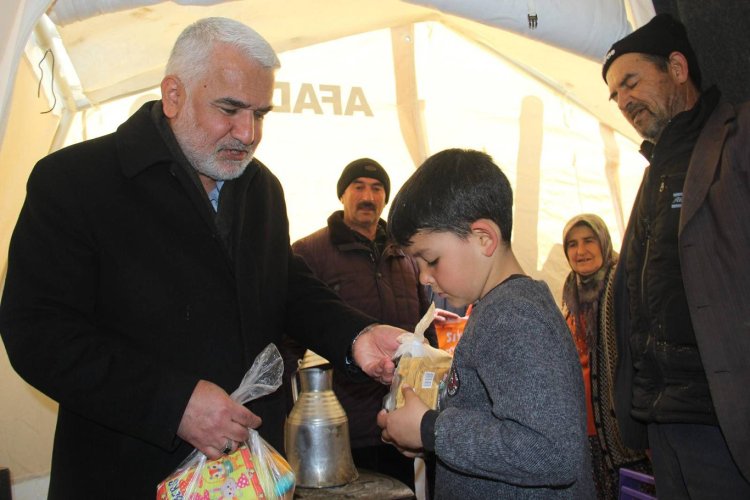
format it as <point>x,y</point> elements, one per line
<point>227,447</point>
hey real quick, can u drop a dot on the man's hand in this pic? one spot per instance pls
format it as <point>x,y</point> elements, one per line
<point>401,427</point>
<point>373,351</point>
<point>213,421</point>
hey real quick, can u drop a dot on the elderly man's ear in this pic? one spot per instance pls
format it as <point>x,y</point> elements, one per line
<point>678,67</point>
<point>172,95</point>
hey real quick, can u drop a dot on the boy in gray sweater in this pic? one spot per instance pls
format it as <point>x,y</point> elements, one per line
<point>512,419</point>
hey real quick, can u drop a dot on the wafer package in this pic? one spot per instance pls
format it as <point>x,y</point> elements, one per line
<point>420,366</point>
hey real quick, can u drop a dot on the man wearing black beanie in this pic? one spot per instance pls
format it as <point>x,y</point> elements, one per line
<point>352,255</point>
<point>683,285</point>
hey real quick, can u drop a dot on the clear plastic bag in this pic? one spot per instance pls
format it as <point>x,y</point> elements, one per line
<point>255,470</point>
<point>419,365</point>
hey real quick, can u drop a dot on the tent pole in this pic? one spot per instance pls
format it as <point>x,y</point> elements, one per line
<point>612,172</point>
<point>64,76</point>
<point>66,121</point>
<point>407,99</point>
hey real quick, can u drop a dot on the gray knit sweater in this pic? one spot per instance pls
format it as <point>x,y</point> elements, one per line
<point>514,417</point>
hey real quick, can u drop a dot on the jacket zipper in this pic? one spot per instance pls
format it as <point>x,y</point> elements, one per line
<point>644,265</point>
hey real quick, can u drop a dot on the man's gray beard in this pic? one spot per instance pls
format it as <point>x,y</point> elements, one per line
<point>208,166</point>
<point>653,133</point>
<point>210,169</point>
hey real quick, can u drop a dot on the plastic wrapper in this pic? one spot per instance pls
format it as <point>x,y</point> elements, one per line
<point>255,471</point>
<point>419,365</point>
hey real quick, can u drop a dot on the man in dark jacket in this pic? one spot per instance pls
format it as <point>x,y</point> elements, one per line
<point>683,282</point>
<point>149,267</point>
<point>351,254</point>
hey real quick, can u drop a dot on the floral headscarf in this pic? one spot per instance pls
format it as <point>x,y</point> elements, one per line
<point>581,293</point>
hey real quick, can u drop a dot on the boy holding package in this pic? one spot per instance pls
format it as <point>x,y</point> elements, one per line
<point>512,419</point>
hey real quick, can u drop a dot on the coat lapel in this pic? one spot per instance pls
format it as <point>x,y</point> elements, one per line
<point>241,188</point>
<point>705,161</point>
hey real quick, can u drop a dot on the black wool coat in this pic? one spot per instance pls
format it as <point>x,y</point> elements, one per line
<point>120,296</point>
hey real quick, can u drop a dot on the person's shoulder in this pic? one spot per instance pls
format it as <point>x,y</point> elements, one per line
<point>77,161</point>
<point>519,298</point>
<point>314,236</point>
<point>727,112</point>
<point>523,287</point>
<point>312,239</point>
<point>105,143</point>
<point>734,120</point>
<point>521,312</point>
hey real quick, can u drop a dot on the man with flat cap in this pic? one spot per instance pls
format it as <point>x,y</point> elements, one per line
<point>683,287</point>
<point>351,254</point>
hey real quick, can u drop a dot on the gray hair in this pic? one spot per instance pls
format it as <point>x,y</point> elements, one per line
<point>193,49</point>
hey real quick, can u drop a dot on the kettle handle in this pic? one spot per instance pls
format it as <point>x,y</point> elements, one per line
<point>295,391</point>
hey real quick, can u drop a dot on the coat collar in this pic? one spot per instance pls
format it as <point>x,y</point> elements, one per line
<point>705,159</point>
<point>342,234</point>
<point>142,144</point>
<point>345,238</point>
<point>139,144</point>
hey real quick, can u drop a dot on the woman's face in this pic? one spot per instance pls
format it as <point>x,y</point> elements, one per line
<point>583,250</point>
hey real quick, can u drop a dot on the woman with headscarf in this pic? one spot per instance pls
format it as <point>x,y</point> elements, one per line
<point>587,306</point>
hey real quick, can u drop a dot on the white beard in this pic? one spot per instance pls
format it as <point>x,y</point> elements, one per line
<point>194,147</point>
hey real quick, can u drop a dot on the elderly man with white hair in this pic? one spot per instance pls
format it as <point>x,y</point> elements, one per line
<point>149,267</point>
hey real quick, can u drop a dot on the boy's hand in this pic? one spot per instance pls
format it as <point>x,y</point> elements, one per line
<point>402,427</point>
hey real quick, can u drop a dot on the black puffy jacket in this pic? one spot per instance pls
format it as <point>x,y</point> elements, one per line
<point>670,384</point>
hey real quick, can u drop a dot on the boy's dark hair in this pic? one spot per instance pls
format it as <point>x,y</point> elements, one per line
<point>451,190</point>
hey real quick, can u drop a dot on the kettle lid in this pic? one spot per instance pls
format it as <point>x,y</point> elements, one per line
<point>312,360</point>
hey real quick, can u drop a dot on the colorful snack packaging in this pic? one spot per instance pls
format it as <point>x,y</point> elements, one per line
<point>255,470</point>
<point>239,475</point>
<point>449,332</point>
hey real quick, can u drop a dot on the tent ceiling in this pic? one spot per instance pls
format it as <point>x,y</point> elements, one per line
<point>575,77</point>
<point>123,52</point>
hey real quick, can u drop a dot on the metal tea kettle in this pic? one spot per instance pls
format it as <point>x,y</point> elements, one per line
<point>316,434</point>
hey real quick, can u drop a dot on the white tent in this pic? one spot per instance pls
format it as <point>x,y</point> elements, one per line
<point>387,79</point>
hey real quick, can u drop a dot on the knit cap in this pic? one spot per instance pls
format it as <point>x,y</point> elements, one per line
<point>363,167</point>
<point>661,36</point>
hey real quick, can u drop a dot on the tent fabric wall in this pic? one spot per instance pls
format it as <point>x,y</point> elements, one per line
<point>15,28</point>
<point>641,11</point>
<point>28,417</point>
<point>389,80</point>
